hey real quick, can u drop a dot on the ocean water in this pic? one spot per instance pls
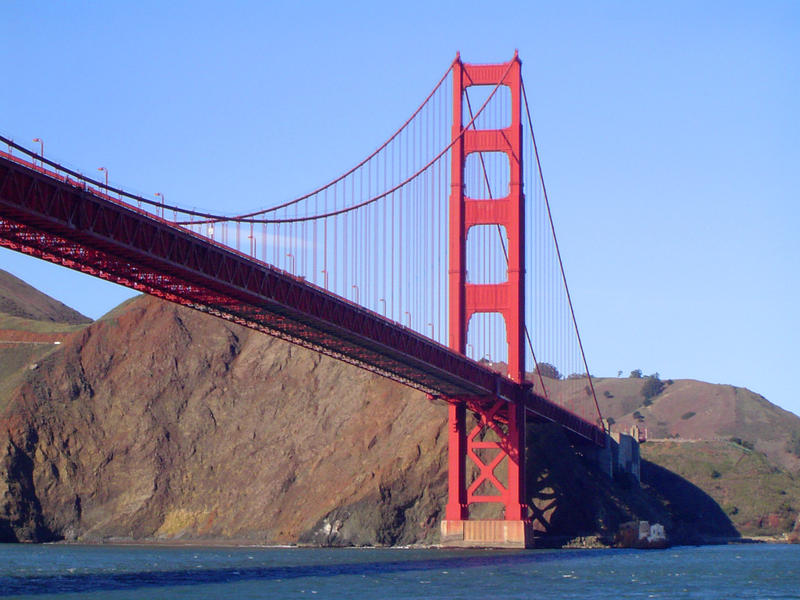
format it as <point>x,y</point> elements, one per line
<point>126,572</point>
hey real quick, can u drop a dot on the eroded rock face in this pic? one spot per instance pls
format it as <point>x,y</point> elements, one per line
<point>20,511</point>
<point>160,422</point>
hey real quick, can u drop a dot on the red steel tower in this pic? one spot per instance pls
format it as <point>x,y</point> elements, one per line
<point>498,437</point>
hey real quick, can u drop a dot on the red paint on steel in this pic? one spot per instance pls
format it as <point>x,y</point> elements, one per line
<point>505,420</point>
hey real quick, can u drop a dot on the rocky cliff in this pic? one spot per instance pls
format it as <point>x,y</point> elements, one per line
<point>160,422</point>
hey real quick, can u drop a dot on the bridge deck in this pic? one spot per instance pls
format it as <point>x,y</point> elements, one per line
<point>52,217</point>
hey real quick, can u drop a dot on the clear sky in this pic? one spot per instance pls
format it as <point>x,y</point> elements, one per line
<point>669,134</point>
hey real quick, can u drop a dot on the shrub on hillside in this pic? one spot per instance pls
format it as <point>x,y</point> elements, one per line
<point>548,370</point>
<point>688,415</point>
<point>636,374</point>
<point>651,387</point>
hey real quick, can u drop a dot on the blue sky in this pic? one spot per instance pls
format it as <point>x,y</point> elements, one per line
<point>668,133</point>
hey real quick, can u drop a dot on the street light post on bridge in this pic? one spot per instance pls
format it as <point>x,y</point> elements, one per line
<point>105,172</point>
<point>41,150</point>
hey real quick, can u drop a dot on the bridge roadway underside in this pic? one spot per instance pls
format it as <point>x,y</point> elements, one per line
<point>61,221</point>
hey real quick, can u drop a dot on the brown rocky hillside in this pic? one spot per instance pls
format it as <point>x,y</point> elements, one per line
<point>126,433</point>
<point>158,422</point>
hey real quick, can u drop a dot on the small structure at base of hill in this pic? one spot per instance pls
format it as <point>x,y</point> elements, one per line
<point>641,534</point>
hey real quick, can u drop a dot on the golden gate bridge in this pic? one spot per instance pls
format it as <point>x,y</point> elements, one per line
<point>433,262</point>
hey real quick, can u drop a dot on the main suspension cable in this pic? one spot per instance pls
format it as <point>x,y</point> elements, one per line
<point>347,209</point>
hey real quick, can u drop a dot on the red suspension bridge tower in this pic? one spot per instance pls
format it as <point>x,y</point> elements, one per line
<point>497,440</point>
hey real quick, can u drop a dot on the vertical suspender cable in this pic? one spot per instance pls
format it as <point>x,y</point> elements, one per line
<point>558,253</point>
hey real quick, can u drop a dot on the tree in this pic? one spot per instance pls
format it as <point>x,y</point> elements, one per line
<point>548,370</point>
<point>636,374</point>
<point>652,386</point>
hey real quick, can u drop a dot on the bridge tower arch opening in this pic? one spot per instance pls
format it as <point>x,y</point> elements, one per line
<point>498,437</point>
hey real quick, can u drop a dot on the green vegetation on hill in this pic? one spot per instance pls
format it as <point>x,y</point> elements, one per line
<point>27,318</point>
<point>758,497</point>
<point>571,496</point>
<point>15,361</point>
<point>22,324</point>
<point>793,444</point>
<point>694,410</point>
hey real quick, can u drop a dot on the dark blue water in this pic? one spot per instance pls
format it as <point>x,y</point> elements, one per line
<point>126,572</point>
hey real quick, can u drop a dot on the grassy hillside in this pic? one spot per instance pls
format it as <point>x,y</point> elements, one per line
<point>758,497</point>
<point>32,326</point>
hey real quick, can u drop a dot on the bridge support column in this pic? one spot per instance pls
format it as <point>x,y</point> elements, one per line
<point>495,446</point>
<point>495,449</point>
<point>457,508</point>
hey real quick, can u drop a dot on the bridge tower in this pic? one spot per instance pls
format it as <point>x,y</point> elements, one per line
<point>497,440</point>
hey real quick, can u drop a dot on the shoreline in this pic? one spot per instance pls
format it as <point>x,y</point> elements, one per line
<point>590,542</point>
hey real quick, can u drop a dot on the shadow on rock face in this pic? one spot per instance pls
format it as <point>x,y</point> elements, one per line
<point>570,496</point>
<point>695,515</point>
